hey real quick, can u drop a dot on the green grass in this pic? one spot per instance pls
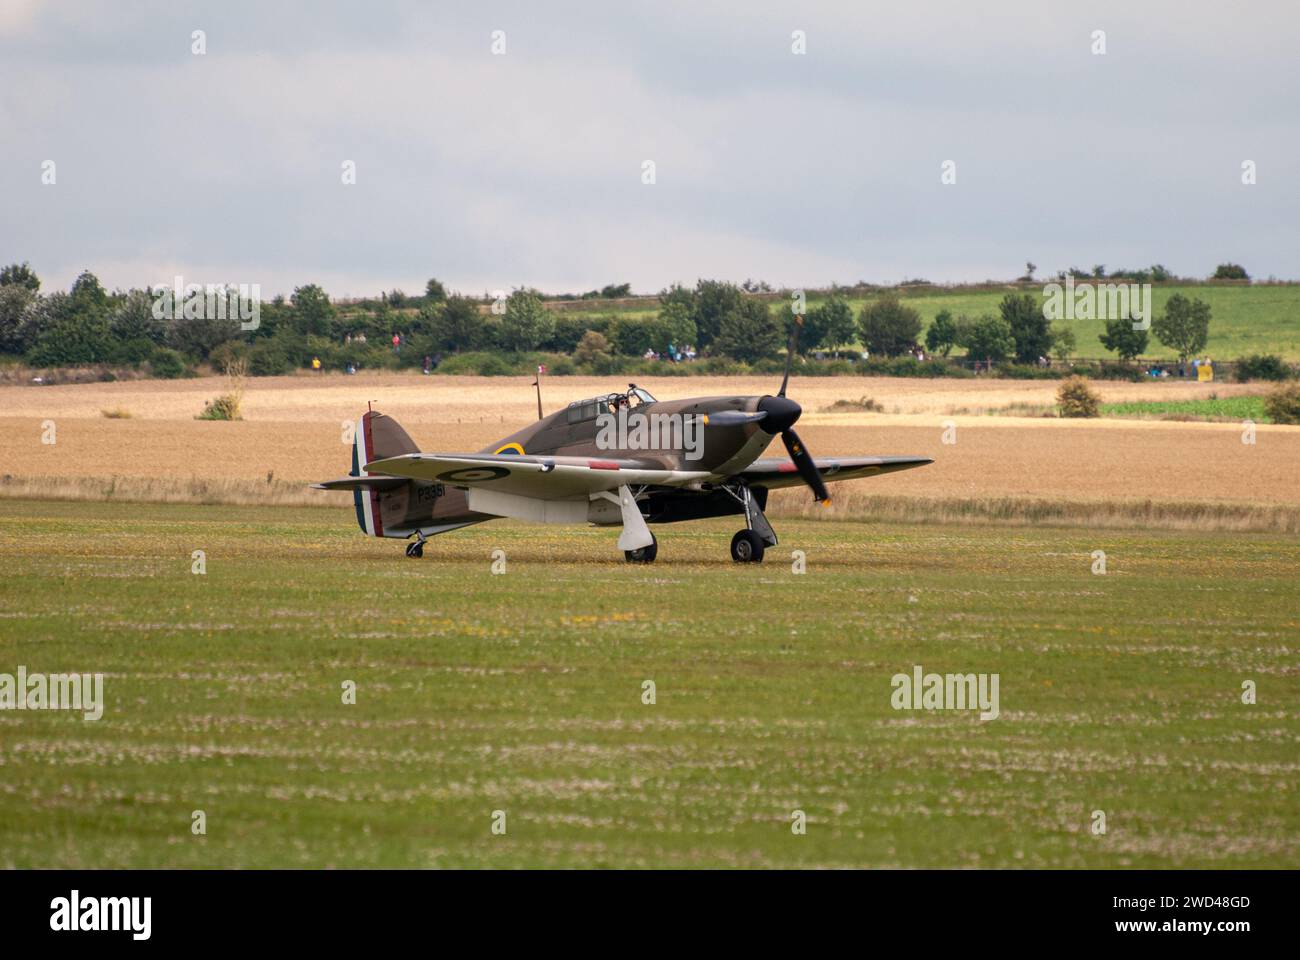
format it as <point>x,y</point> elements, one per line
<point>522,693</point>
<point>1244,319</point>
<point>1216,408</point>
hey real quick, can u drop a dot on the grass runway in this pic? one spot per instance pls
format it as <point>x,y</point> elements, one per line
<point>522,692</point>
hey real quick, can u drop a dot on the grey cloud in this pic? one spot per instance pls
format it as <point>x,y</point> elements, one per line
<point>495,171</point>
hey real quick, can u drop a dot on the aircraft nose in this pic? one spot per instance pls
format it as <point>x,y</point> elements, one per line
<point>781,414</point>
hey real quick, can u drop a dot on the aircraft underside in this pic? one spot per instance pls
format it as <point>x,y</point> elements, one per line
<point>653,507</point>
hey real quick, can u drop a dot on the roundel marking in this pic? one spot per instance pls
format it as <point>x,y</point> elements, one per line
<point>511,449</point>
<point>474,474</point>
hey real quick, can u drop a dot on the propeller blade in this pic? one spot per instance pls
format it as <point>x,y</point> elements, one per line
<point>733,418</point>
<point>804,464</point>
<point>791,349</point>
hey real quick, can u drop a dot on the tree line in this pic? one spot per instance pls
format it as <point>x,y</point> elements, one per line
<point>89,325</point>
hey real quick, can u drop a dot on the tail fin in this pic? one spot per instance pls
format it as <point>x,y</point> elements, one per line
<point>377,436</point>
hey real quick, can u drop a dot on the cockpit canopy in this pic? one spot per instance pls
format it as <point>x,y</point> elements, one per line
<point>581,410</point>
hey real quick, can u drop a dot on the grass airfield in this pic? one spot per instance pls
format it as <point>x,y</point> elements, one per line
<point>522,692</point>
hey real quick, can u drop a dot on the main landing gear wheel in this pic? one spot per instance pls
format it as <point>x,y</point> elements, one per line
<point>415,550</point>
<point>747,547</point>
<point>642,554</point>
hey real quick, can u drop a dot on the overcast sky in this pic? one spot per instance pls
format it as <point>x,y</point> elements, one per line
<point>494,171</point>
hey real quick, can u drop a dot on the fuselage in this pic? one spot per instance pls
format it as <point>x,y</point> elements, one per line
<point>670,434</point>
<point>698,445</point>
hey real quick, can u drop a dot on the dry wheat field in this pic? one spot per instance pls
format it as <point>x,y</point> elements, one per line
<point>986,467</point>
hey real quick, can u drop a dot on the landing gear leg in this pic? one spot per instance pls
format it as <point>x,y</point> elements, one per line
<point>636,541</point>
<point>748,545</point>
<point>415,550</point>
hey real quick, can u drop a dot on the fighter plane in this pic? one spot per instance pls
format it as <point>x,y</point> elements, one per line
<point>622,458</point>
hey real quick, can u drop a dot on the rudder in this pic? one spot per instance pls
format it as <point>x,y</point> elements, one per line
<point>377,436</point>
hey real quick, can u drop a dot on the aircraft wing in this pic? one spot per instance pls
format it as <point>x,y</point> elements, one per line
<point>543,478</point>
<point>775,472</point>
<point>359,483</point>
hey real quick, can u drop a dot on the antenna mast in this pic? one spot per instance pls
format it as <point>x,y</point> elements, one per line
<point>541,369</point>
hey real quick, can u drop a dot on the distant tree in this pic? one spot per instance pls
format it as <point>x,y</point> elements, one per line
<point>569,328</point>
<point>1184,327</point>
<point>888,327</point>
<point>1121,338</point>
<point>199,336</point>
<point>1160,273</point>
<point>615,291</point>
<point>714,299</point>
<point>526,323</point>
<point>395,298</point>
<point>830,324</point>
<point>678,294</point>
<point>133,319</point>
<point>1133,276</point>
<point>986,338</point>
<point>1230,271</point>
<point>454,325</point>
<point>312,310</point>
<point>941,337</point>
<point>749,332</point>
<point>1030,267</point>
<point>1030,328</point>
<point>632,336</point>
<point>15,301</point>
<point>676,324</point>
<point>1099,271</point>
<point>88,294</point>
<point>434,291</point>
<point>275,315</point>
<point>810,334</point>
<point>69,329</point>
<point>1064,343</point>
<point>823,324</point>
<point>22,275</point>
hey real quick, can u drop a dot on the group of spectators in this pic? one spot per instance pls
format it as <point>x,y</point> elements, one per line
<point>673,354</point>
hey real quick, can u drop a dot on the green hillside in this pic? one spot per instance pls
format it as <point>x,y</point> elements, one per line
<point>1246,319</point>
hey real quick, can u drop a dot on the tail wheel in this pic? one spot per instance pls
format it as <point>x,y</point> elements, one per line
<point>643,554</point>
<point>415,550</point>
<point>747,547</point>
